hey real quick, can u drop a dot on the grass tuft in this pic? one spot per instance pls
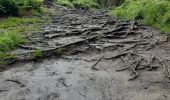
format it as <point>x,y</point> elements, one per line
<point>85,4</point>
<point>154,13</point>
<point>37,53</point>
<point>9,40</point>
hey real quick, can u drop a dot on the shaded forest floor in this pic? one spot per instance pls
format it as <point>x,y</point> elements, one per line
<point>87,55</point>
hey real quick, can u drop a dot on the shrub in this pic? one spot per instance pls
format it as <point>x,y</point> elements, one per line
<point>154,13</point>
<point>13,7</point>
<point>8,7</point>
<point>29,4</point>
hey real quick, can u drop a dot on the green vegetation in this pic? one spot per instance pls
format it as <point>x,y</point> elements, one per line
<point>19,19</point>
<point>19,7</point>
<point>13,28</point>
<point>9,40</point>
<point>5,56</point>
<point>107,3</point>
<point>154,13</point>
<point>37,53</point>
<point>85,4</point>
<point>60,51</point>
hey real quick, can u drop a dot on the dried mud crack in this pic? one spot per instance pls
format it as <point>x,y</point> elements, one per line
<point>87,55</point>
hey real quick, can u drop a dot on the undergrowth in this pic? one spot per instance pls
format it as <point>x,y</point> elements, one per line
<point>9,40</point>
<point>85,4</point>
<point>14,30</point>
<point>154,13</point>
<point>19,7</point>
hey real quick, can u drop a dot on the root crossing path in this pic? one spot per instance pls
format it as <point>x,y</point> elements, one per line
<point>87,55</point>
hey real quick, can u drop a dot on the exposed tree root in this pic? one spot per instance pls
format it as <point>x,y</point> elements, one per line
<point>100,33</point>
<point>27,47</point>
<point>136,74</point>
<point>117,56</point>
<point>16,81</point>
<point>94,65</point>
<point>125,63</point>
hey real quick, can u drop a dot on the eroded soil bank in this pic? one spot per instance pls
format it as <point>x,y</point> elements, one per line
<point>102,59</point>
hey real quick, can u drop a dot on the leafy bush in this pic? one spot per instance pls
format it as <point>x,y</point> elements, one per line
<point>8,7</point>
<point>13,7</point>
<point>29,4</point>
<point>2,9</point>
<point>154,13</point>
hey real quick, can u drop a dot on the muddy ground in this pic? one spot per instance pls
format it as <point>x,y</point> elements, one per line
<point>87,55</point>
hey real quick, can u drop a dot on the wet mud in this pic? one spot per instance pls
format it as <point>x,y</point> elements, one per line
<point>88,55</point>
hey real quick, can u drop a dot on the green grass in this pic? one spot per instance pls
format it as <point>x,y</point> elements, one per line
<point>5,56</point>
<point>85,4</point>
<point>37,53</point>
<point>14,22</point>
<point>67,3</point>
<point>9,40</point>
<point>13,30</point>
<point>155,13</point>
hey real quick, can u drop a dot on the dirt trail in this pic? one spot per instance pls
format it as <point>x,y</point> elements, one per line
<point>102,59</point>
